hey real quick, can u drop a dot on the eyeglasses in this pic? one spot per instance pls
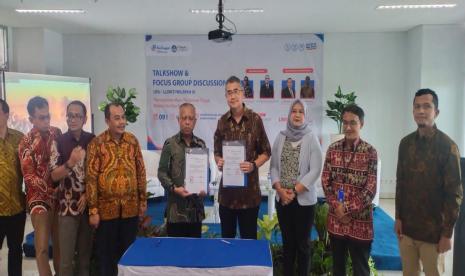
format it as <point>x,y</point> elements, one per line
<point>236,91</point>
<point>71,116</point>
<point>350,123</point>
<point>43,117</point>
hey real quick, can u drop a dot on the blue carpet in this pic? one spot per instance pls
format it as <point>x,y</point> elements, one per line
<point>385,250</point>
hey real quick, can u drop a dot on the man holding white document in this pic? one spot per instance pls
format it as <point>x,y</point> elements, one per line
<point>183,172</point>
<point>241,147</point>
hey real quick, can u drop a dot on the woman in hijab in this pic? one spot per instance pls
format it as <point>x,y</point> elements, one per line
<point>296,164</point>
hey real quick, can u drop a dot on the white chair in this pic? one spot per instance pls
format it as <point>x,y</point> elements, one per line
<point>151,160</point>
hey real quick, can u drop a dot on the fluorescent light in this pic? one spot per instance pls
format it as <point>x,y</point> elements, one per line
<point>49,11</point>
<point>212,11</point>
<point>423,6</point>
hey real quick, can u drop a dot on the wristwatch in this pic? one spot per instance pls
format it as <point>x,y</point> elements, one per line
<point>254,165</point>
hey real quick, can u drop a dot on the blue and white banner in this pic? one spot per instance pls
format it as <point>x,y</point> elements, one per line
<point>193,69</point>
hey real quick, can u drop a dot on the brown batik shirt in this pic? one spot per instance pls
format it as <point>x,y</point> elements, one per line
<point>428,191</point>
<point>250,130</point>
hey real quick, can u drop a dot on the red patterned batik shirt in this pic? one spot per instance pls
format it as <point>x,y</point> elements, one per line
<point>34,155</point>
<point>352,169</point>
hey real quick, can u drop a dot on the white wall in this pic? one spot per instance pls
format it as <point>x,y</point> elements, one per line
<point>28,50</point>
<point>374,66</point>
<point>109,60</point>
<point>442,71</point>
<point>53,52</point>
<point>36,50</point>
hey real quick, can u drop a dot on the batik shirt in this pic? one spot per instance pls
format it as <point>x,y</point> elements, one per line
<point>352,169</point>
<point>250,130</point>
<point>73,185</point>
<point>171,173</point>
<point>11,178</point>
<point>34,154</point>
<point>116,181</point>
<point>428,190</point>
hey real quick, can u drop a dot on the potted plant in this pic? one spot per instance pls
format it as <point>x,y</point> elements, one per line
<point>335,108</point>
<point>119,95</point>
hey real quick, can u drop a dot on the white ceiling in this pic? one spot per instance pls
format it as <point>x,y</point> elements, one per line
<point>280,16</point>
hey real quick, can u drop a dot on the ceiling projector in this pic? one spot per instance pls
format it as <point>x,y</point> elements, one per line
<point>219,35</point>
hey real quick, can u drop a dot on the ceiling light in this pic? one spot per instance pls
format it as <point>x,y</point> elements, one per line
<point>424,6</point>
<point>210,11</point>
<point>49,11</point>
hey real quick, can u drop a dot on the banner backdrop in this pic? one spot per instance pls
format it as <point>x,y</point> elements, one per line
<point>193,69</point>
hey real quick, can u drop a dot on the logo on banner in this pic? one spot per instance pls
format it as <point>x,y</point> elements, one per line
<point>169,48</point>
<point>299,47</point>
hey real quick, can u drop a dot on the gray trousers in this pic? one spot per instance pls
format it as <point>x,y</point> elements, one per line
<point>75,236</point>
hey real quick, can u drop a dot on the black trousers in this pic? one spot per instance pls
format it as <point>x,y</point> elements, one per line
<point>296,223</point>
<point>113,238</point>
<point>359,253</point>
<point>247,219</point>
<point>12,227</point>
<point>186,230</point>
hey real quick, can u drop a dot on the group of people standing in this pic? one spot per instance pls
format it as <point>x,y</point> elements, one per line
<point>76,182</point>
<point>428,189</point>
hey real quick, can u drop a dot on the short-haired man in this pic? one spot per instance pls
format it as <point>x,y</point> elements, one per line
<point>307,91</point>
<point>428,190</point>
<point>34,154</point>
<point>116,188</point>
<point>184,211</point>
<point>288,92</point>
<point>267,89</point>
<point>349,184</point>
<point>248,90</point>
<point>12,207</point>
<point>67,164</point>
<point>241,124</point>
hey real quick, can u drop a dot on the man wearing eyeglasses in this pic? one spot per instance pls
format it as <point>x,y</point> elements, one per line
<point>34,154</point>
<point>67,164</point>
<point>241,204</point>
<point>349,183</point>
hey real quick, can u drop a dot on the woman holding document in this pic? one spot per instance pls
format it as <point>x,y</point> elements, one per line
<point>296,164</point>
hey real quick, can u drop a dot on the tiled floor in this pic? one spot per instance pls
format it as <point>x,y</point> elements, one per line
<point>29,264</point>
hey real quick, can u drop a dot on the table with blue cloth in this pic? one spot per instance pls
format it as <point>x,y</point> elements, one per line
<point>190,256</point>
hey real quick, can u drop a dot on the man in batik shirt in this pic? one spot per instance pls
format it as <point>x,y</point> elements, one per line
<point>241,204</point>
<point>34,153</point>
<point>349,183</point>
<point>184,210</point>
<point>116,188</point>
<point>12,207</point>
<point>67,165</point>
<point>428,190</point>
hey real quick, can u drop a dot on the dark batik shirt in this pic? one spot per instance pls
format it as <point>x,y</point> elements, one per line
<point>171,173</point>
<point>250,129</point>
<point>73,185</point>
<point>428,191</point>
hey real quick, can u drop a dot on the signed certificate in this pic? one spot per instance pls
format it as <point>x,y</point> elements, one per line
<point>196,170</point>
<point>233,155</point>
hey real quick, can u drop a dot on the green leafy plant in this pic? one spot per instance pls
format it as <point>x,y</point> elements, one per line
<point>322,260</point>
<point>335,107</point>
<point>119,95</point>
<point>267,226</point>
